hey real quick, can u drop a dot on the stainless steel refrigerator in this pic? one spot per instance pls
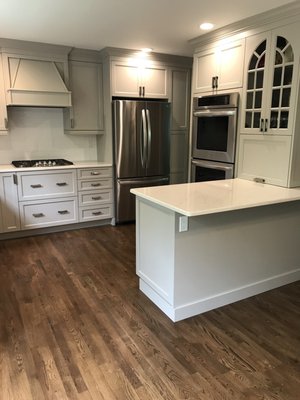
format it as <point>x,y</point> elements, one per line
<point>141,150</point>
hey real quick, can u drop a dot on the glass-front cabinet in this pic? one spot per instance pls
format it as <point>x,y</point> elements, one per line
<point>271,73</point>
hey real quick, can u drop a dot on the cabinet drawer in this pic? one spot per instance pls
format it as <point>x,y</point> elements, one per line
<point>95,197</point>
<point>89,173</point>
<point>95,184</point>
<point>94,213</point>
<point>35,186</point>
<point>41,214</point>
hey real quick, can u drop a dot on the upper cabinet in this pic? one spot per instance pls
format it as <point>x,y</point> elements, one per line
<point>270,89</point>
<point>86,84</point>
<point>219,67</point>
<point>269,141</point>
<point>134,80</point>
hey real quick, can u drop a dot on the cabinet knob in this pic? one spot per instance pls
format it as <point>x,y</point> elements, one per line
<point>95,173</point>
<point>96,198</point>
<point>95,184</point>
<point>36,186</point>
<point>97,212</point>
<point>38,215</point>
<point>63,212</point>
<point>61,184</point>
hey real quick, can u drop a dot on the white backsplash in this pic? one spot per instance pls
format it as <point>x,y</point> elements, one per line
<point>36,133</point>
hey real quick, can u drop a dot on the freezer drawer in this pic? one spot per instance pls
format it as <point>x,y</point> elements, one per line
<point>125,201</point>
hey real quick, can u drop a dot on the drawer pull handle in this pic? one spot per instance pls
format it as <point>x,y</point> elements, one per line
<point>95,184</point>
<point>37,186</point>
<point>95,173</point>
<point>38,215</point>
<point>96,198</point>
<point>63,212</point>
<point>97,212</point>
<point>61,183</point>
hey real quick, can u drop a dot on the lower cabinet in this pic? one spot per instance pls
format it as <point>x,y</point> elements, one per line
<point>9,202</point>
<point>95,193</point>
<point>41,199</point>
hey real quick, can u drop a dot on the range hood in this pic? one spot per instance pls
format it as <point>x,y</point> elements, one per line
<point>36,83</point>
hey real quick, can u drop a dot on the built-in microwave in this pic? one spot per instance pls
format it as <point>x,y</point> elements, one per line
<point>214,127</point>
<point>203,170</point>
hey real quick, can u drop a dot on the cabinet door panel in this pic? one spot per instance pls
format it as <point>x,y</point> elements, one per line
<point>9,203</point>
<point>154,80</point>
<point>180,99</point>
<point>266,157</point>
<point>125,80</point>
<point>230,73</point>
<point>205,67</point>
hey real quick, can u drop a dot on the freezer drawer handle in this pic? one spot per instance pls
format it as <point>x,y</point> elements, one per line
<point>96,198</point>
<point>63,212</point>
<point>97,213</point>
<point>95,173</point>
<point>37,186</point>
<point>95,184</point>
<point>38,215</point>
<point>61,184</point>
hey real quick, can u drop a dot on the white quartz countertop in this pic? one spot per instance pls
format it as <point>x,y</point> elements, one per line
<point>193,199</point>
<point>77,164</point>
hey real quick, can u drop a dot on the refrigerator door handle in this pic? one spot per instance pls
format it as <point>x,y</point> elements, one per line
<point>143,139</point>
<point>149,136</point>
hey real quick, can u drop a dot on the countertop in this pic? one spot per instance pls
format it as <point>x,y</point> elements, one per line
<point>193,199</point>
<point>77,164</point>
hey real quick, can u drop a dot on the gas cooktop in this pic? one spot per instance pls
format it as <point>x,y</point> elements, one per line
<point>54,162</point>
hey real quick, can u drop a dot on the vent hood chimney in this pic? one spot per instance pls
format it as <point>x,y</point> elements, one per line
<point>36,83</point>
<point>35,74</point>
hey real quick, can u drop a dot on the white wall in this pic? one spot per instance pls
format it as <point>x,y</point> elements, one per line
<point>36,133</point>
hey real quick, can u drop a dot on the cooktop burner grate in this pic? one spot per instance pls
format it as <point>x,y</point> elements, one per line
<point>54,162</point>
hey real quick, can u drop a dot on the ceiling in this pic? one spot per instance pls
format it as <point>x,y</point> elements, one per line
<point>164,25</point>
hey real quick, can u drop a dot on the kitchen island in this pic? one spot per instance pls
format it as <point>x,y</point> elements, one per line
<point>203,245</point>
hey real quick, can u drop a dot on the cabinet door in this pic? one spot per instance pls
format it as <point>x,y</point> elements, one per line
<point>154,79</point>
<point>9,203</point>
<point>180,99</point>
<point>3,110</point>
<point>86,115</point>
<point>205,68</point>
<point>265,157</point>
<point>125,80</point>
<point>231,62</point>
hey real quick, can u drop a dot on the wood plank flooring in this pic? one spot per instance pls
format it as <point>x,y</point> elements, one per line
<point>73,325</point>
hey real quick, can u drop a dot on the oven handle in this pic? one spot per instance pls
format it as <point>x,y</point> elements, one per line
<point>207,113</point>
<point>212,165</point>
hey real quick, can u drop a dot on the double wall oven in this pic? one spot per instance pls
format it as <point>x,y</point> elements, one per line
<point>214,131</point>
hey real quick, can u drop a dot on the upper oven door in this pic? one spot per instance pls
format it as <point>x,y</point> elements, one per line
<point>214,134</point>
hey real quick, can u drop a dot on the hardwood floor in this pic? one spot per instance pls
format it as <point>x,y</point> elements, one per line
<point>75,326</point>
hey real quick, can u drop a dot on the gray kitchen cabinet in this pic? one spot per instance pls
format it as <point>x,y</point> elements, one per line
<point>269,148</point>
<point>9,202</point>
<point>219,67</point>
<point>85,82</point>
<point>3,109</point>
<point>180,117</point>
<point>132,80</point>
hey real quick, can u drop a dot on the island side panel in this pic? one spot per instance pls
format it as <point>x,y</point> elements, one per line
<point>155,238</point>
<point>229,256</point>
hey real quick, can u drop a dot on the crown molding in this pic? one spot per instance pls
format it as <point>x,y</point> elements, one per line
<point>259,21</point>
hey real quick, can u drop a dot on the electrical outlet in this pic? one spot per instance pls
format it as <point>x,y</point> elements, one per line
<point>183,224</point>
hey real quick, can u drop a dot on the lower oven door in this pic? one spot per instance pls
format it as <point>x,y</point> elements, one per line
<point>203,170</point>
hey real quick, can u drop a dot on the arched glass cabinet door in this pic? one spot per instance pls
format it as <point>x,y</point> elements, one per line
<point>254,89</point>
<point>283,69</point>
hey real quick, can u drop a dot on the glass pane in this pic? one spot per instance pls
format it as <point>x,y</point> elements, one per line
<point>249,100</point>
<point>277,76</point>
<point>261,62</point>
<point>248,121</point>
<point>258,97</point>
<point>288,54</point>
<point>281,42</point>
<point>261,48</point>
<point>275,98</point>
<point>250,80</point>
<point>288,74</point>
<point>278,58</point>
<point>284,119</point>
<point>274,119</point>
<point>256,120</point>
<point>285,100</point>
<point>259,79</point>
<point>253,61</point>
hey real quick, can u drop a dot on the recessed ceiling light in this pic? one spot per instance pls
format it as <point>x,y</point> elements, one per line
<point>206,26</point>
<point>147,50</point>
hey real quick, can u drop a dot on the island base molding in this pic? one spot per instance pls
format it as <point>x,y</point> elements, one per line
<point>222,258</point>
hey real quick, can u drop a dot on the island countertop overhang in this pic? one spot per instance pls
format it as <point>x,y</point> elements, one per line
<point>202,198</point>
